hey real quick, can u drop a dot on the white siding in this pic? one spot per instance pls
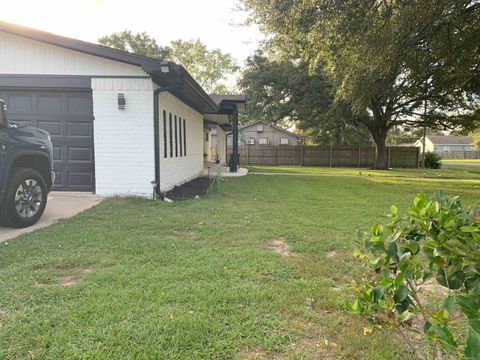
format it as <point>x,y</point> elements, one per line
<point>124,150</point>
<point>177,170</point>
<point>20,55</point>
<point>271,133</point>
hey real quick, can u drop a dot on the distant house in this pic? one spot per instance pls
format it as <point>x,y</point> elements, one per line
<point>441,143</point>
<point>262,133</point>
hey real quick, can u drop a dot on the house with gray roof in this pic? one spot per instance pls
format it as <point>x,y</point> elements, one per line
<point>120,123</point>
<point>262,133</point>
<point>446,143</point>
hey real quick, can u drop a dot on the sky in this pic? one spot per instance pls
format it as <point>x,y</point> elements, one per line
<point>214,22</point>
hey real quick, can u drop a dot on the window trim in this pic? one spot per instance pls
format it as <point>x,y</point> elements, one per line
<point>260,141</point>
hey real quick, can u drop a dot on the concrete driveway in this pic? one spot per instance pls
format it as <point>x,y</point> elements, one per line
<point>60,205</point>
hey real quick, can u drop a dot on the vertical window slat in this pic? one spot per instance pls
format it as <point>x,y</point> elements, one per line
<point>176,137</point>
<point>171,134</point>
<point>180,136</point>
<point>184,138</point>
<point>164,134</point>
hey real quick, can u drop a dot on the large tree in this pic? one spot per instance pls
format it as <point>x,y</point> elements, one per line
<point>138,43</point>
<point>210,68</point>
<point>407,62</point>
<point>283,91</point>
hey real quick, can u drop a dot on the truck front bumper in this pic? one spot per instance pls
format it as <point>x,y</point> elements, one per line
<point>52,177</point>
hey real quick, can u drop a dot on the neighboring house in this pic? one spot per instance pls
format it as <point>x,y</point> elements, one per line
<point>262,133</point>
<point>119,121</point>
<point>445,143</point>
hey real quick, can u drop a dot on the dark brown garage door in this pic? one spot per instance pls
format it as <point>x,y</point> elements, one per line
<point>68,117</point>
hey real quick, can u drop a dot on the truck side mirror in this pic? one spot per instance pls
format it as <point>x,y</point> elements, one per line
<point>3,114</point>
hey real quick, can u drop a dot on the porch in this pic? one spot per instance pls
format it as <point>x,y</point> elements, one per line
<point>211,169</point>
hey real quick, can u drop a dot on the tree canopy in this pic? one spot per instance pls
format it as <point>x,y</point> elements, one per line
<point>139,43</point>
<point>405,62</point>
<point>282,91</point>
<point>210,68</point>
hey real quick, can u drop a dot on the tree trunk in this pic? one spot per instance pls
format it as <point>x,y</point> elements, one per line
<point>380,137</point>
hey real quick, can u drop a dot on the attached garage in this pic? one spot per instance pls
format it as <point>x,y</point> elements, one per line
<point>68,116</point>
<point>112,115</point>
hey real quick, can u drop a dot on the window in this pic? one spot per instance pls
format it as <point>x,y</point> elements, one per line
<point>283,141</point>
<point>164,134</point>
<point>259,128</point>
<point>180,135</point>
<point>251,141</point>
<point>263,141</point>
<point>176,137</point>
<point>184,139</point>
<point>446,148</point>
<point>171,133</point>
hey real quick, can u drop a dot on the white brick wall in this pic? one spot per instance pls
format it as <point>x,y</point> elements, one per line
<point>124,150</point>
<point>178,170</point>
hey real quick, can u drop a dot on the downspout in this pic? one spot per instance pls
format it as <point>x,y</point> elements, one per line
<point>156,130</point>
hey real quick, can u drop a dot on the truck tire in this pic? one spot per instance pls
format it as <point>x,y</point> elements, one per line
<point>25,198</point>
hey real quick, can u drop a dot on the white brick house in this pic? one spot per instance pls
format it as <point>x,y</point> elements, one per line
<point>118,121</point>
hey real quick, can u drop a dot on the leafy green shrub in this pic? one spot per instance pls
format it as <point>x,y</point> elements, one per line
<point>432,160</point>
<point>437,242</point>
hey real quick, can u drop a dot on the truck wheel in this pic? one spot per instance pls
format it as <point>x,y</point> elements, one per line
<point>25,198</point>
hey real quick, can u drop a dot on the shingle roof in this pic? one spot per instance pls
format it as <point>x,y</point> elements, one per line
<point>189,92</point>
<point>299,136</point>
<point>450,140</point>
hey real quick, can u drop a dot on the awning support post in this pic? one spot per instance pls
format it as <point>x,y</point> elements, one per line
<point>234,157</point>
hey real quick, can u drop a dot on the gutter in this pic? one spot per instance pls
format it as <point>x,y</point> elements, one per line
<point>156,130</point>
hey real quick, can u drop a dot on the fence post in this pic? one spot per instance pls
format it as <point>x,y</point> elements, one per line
<point>330,154</point>
<point>248,155</point>
<point>359,156</point>
<point>388,157</point>
<point>274,155</point>
<point>301,155</point>
<point>418,157</point>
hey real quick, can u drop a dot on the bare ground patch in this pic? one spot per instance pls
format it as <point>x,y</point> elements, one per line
<point>63,275</point>
<point>255,354</point>
<point>280,246</point>
<point>75,277</point>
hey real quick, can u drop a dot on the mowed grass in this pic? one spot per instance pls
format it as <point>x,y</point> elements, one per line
<point>136,279</point>
<point>462,160</point>
<point>446,172</point>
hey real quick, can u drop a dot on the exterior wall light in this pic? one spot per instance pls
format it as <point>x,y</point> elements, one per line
<point>164,67</point>
<point>121,101</point>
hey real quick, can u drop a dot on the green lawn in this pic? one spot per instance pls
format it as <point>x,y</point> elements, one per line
<point>199,279</point>
<point>450,172</point>
<point>462,160</point>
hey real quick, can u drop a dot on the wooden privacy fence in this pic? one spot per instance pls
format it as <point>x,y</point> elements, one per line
<point>460,155</point>
<point>324,155</point>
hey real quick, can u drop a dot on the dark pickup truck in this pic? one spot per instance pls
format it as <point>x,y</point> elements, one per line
<point>26,172</point>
